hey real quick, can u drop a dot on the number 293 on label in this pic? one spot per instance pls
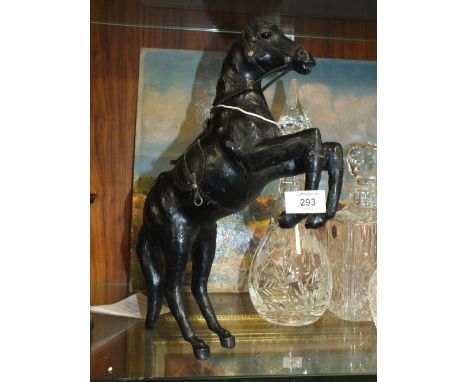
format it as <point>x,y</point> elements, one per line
<point>305,202</point>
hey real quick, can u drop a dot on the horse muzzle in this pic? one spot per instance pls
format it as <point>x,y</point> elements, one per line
<point>302,62</point>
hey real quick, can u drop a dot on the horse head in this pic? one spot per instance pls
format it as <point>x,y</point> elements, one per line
<point>261,50</point>
<point>267,46</point>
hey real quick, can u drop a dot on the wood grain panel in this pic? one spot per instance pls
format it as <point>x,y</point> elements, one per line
<point>112,117</point>
<point>115,54</point>
<point>108,347</point>
<point>112,356</point>
<point>229,14</point>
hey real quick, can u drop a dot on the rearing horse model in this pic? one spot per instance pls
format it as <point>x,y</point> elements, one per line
<point>240,150</point>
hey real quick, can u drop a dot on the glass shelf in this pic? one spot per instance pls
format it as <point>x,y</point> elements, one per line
<point>122,348</point>
<point>323,19</point>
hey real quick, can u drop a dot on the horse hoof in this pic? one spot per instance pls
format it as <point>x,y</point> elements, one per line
<point>228,342</point>
<point>201,350</point>
<point>149,325</point>
<point>316,221</point>
<point>288,220</point>
<point>201,354</point>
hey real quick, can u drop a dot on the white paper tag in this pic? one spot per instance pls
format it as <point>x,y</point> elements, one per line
<point>305,202</point>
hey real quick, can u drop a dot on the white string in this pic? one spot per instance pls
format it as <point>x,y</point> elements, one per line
<point>249,113</point>
<point>298,240</point>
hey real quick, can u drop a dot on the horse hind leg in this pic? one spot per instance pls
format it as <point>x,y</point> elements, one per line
<point>150,258</point>
<point>202,257</point>
<point>176,251</point>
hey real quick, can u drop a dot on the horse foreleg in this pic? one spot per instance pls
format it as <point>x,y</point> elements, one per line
<point>176,251</point>
<point>334,166</point>
<point>312,168</point>
<point>202,257</point>
<point>153,270</point>
<point>275,151</point>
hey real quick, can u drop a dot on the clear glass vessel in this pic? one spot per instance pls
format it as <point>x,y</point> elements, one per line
<point>290,279</point>
<point>373,296</point>
<point>352,238</point>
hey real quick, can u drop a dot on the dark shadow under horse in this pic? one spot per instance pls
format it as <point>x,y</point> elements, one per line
<point>240,150</point>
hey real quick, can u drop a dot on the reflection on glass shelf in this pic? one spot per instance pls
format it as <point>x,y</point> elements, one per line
<point>329,346</point>
<point>272,353</point>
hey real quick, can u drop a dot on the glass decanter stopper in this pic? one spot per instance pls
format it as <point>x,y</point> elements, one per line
<point>290,279</point>
<point>351,238</point>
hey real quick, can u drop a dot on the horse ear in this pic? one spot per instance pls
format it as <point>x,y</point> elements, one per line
<point>248,42</point>
<point>248,33</point>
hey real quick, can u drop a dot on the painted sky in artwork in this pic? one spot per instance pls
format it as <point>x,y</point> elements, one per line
<point>177,88</point>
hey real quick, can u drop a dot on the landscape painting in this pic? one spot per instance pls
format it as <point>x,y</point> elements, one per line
<point>176,89</point>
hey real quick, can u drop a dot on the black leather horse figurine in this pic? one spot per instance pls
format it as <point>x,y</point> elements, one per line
<point>240,150</point>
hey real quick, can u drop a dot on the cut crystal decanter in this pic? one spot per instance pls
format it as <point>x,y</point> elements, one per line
<point>373,296</point>
<point>351,238</point>
<point>290,279</point>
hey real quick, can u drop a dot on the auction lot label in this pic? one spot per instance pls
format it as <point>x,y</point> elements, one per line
<point>305,202</point>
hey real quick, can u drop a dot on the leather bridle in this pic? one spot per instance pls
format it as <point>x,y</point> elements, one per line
<point>285,56</point>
